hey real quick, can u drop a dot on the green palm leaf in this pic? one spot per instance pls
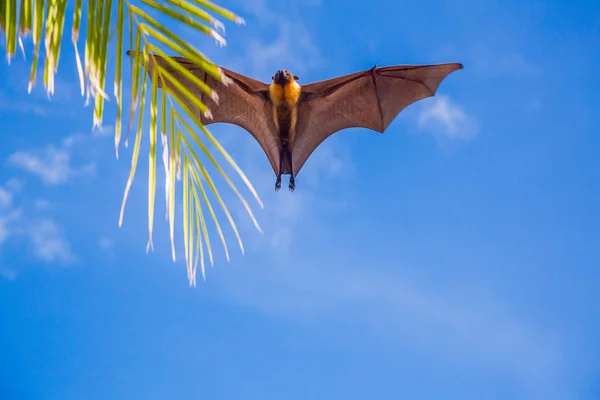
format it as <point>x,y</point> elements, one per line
<point>148,36</point>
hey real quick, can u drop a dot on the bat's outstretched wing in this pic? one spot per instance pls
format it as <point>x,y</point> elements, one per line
<point>244,102</point>
<point>368,99</point>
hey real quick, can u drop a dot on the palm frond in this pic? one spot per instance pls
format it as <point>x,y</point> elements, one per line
<point>169,101</point>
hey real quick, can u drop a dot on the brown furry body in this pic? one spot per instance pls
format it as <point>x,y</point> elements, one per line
<point>285,109</point>
<point>284,93</point>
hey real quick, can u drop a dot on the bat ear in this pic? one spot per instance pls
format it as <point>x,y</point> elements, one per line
<point>296,78</point>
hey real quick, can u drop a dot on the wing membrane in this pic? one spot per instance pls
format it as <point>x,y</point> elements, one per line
<point>244,102</point>
<point>367,99</point>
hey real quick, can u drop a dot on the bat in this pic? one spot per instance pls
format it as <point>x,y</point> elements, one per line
<point>290,121</point>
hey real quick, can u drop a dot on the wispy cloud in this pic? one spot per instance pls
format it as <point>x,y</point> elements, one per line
<point>49,242</point>
<point>443,118</point>
<point>53,165</point>
<point>26,218</point>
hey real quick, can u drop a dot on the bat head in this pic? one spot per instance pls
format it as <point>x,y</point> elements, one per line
<point>283,76</point>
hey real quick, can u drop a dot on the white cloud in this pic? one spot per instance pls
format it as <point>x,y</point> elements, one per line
<point>445,119</point>
<point>53,165</point>
<point>45,235</point>
<point>49,242</point>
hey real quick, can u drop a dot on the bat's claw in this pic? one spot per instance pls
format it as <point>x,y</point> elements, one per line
<point>292,185</point>
<point>278,184</point>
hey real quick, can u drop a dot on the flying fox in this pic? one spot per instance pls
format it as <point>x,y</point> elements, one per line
<point>290,121</point>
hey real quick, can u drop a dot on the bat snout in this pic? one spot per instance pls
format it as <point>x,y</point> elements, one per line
<point>282,77</point>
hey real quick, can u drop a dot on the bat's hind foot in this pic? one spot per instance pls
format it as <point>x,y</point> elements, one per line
<point>292,185</point>
<point>278,183</point>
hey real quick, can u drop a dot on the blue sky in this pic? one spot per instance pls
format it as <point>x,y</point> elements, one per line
<point>455,256</point>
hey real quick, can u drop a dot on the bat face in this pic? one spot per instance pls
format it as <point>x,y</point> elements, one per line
<point>283,77</point>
